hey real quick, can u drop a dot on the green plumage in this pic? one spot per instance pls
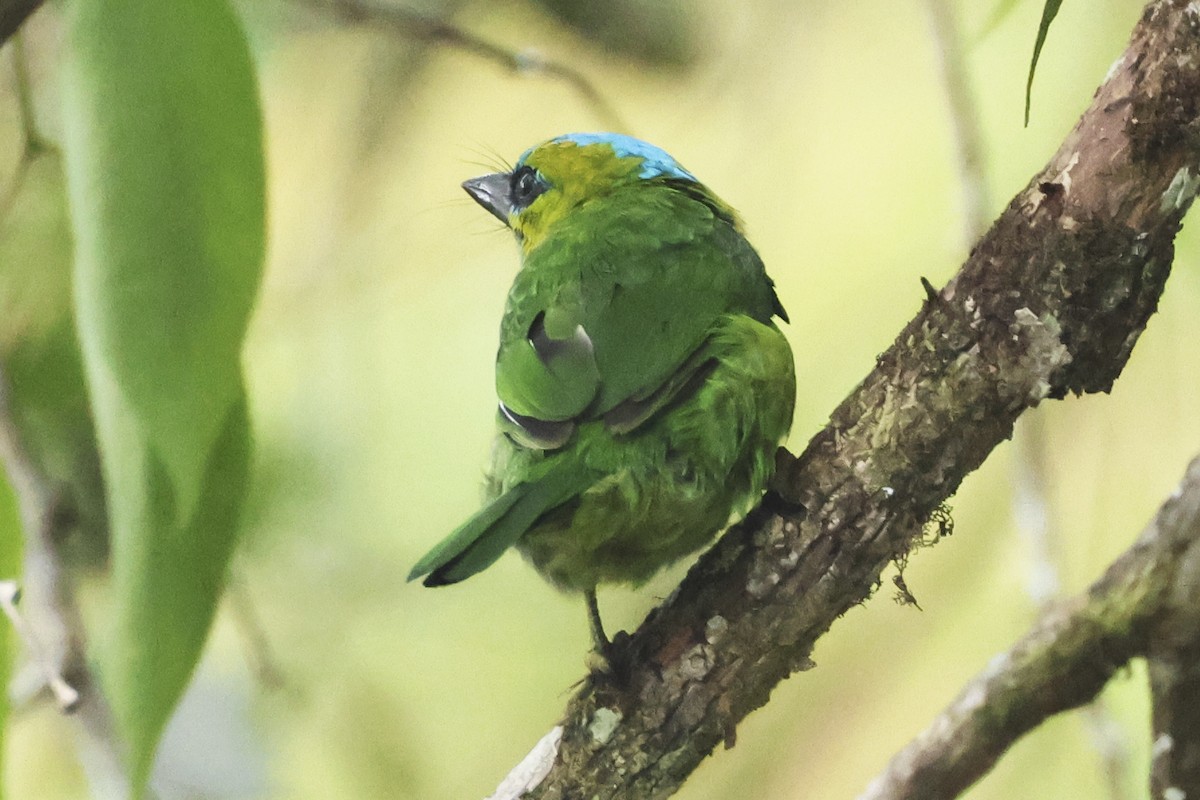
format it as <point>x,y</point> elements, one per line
<point>644,386</point>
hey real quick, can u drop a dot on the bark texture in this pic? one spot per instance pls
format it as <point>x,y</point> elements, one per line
<point>1051,301</point>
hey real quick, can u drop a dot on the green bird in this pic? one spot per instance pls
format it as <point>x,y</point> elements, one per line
<point>643,384</point>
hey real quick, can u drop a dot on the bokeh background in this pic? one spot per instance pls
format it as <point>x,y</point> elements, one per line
<point>370,368</point>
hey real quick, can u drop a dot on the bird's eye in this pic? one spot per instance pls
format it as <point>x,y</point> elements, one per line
<point>526,185</point>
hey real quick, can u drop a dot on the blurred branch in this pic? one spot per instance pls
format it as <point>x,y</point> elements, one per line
<point>968,137</point>
<point>260,655</point>
<point>64,694</point>
<point>414,25</point>
<point>1050,302</point>
<point>12,14</point>
<point>40,518</point>
<point>1064,661</point>
<point>56,640</point>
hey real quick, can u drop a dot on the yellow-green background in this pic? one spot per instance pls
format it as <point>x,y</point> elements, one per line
<point>369,366</point>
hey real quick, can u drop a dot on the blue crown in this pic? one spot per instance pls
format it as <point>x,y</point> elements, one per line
<point>655,160</point>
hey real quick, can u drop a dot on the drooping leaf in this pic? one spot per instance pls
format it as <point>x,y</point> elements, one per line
<point>1049,12</point>
<point>165,179</point>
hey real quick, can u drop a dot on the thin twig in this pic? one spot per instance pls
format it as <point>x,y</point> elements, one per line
<point>259,652</point>
<point>964,116</point>
<point>412,24</point>
<point>65,694</point>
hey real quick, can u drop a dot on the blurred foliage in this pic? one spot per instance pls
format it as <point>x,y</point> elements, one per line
<point>369,367</point>
<point>164,165</point>
<point>40,351</point>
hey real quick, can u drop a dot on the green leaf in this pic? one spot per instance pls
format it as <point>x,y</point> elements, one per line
<point>168,574</point>
<point>165,181</point>
<point>1049,12</point>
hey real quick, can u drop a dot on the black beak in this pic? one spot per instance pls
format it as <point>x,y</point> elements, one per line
<point>493,193</point>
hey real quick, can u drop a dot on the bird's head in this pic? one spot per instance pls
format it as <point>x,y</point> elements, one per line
<point>555,177</point>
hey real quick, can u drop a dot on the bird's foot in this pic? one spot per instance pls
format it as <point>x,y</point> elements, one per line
<point>610,662</point>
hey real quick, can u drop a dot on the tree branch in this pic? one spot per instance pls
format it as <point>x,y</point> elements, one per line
<point>1051,301</point>
<point>1063,662</point>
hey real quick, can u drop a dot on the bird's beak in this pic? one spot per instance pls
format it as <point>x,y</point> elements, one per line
<point>491,192</point>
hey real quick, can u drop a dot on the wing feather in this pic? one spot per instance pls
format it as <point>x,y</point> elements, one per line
<point>606,317</point>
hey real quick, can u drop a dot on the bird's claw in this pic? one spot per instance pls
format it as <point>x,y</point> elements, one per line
<point>611,661</point>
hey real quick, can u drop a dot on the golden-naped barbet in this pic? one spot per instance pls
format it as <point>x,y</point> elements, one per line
<point>643,384</point>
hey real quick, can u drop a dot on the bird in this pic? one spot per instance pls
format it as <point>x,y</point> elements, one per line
<point>643,382</point>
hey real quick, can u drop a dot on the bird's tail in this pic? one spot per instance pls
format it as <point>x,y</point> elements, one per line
<point>482,539</point>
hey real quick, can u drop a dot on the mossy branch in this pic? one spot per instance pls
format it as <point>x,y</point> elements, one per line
<point>1068,657</point>
<point>1050,302</point>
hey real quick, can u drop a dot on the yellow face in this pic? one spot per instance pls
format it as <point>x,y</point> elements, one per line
<point>568,175</point>
<point>555,178</point>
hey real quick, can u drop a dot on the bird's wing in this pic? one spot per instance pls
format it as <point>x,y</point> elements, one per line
<point>610,324</point>
<point>482,539</point>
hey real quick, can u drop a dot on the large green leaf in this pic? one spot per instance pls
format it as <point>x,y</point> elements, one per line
<point>1049,12</point>
<point>165,180</point>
